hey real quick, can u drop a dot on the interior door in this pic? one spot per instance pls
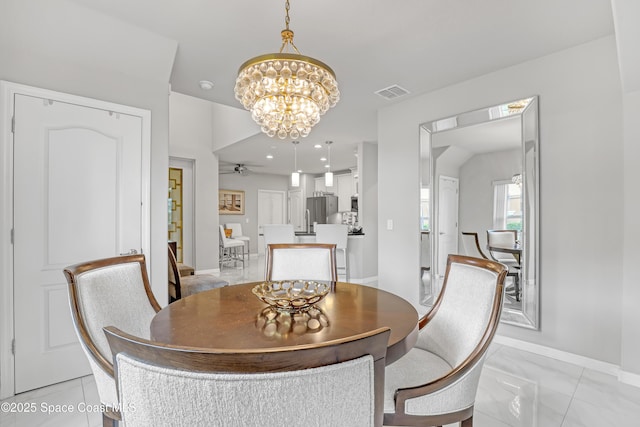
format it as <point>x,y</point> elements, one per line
<point>77,197</point>
<point>271,210</point>
<point>448,221</point>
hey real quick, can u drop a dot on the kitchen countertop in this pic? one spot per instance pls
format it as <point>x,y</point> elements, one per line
<point>304,233</point>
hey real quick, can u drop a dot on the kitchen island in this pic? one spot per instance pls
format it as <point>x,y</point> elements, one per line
<point>355,252</point>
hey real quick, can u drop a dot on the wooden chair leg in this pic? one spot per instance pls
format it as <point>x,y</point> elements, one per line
<point>467,423</point>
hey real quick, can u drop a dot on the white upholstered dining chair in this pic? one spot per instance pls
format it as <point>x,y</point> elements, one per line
<point>334,383</point>
<point>303,261</point>
<point>507,239</point>
<point>435,383</point>
<point>471,245</point>
<point>112,291</point>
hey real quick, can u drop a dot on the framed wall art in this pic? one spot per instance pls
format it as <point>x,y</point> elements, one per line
<point>230,202</point>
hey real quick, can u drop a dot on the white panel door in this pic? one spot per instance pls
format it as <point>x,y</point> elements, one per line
<point>296,210</point>
<point>447,221</point>
<point>77,197</point>
<point>272,208</point>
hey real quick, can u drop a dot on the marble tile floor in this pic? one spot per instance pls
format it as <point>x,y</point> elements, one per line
<point>517,389</point>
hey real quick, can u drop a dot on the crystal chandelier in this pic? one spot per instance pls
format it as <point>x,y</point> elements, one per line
<point>286,92</point>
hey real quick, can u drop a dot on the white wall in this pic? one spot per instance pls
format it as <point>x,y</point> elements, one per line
<point>631,224</point>
<point>581,191</point>
<point>58,46</point>
<point>476,189</point>
<point>368,206</point>
<point>625,16</point>
<point>250,184</point>
<point>191,136</point>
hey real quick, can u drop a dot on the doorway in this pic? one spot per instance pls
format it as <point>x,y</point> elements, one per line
<point>78,191</point>
<point>181,208</point>
<point>272,208</point>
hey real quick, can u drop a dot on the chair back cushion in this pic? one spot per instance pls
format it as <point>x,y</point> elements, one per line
<point>331,383</point>
<point>114,296</point>
<point>471,245</point>
<point>332,233</point>
<point>110,291</point>
<point>236,229</point>
<point>463,314</point>
<point>332,395</point>
<point>504,238</point>
<point>301,262</point>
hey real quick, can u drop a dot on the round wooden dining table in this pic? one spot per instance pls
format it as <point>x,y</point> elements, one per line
<point>232,317</point>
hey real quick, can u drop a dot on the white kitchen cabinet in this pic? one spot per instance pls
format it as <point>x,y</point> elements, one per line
<point>345,189</point>
<point>321,187</point>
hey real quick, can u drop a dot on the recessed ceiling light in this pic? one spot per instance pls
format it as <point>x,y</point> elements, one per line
<point>323,159</point>
<point>327,166</point>
<point>269,156</point>
<point>206,85</point>
<point>317,146</point>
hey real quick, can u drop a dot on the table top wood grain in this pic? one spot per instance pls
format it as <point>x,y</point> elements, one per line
<point>233,318</point>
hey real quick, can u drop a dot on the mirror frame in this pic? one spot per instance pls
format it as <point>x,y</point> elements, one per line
<point>529,315</point>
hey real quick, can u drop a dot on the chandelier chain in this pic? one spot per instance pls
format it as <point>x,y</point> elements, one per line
<point>286,18</point>
<point>287,34</point>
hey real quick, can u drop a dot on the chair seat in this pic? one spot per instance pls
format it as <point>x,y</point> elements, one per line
<point>233,243</point>
<point>190,285</point>
<point>415,368</point>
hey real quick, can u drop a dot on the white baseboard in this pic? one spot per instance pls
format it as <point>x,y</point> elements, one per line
<point>629,378</point>
<point>364,280</point>
<point>585,362</point>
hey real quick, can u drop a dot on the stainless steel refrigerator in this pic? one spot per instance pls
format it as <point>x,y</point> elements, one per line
<point>322,209</point>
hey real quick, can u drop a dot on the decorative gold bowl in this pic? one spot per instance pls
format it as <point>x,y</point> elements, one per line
<point>279,324</point>
<point>291,295</point>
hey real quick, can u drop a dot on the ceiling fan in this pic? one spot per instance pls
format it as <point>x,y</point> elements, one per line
<point>241,169</point>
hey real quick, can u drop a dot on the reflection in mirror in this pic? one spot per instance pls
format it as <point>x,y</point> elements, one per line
<point>479,173</point>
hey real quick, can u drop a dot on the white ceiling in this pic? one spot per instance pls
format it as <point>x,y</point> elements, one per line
<point>421,45</point>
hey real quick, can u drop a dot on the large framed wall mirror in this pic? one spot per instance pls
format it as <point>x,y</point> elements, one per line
<point>479,197</point>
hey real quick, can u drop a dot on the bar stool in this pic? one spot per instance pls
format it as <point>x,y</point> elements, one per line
<point>336,234</point>
<point>229,249</point>
<point>236,233</point>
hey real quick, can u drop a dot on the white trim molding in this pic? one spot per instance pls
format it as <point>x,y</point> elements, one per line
<point>585,362</point>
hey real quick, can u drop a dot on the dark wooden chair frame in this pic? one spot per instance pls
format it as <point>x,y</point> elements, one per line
<point>331,247</point>
<point>511,273</point>
<point>465,417</point>
<point>477,240</point>
<point>173,264</point>
<point>110,416</point>
<point>258,361</point>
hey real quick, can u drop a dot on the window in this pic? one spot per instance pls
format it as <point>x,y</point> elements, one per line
<point>507,206</point>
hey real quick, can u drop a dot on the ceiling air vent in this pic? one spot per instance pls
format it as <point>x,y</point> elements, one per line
<point>392,92</point>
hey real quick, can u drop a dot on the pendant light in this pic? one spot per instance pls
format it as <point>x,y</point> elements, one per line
<point>295,175</point>
<point>328,176</point>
